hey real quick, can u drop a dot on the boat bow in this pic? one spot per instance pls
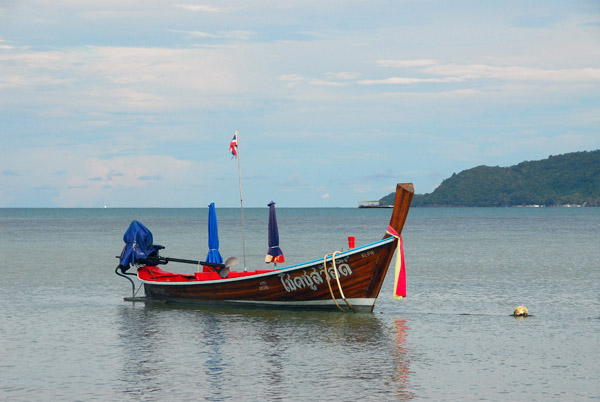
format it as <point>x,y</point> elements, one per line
<point>402,200</point>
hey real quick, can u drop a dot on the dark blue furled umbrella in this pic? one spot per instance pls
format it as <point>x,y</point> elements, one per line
<point>213,236</point>
<point>274,254</point>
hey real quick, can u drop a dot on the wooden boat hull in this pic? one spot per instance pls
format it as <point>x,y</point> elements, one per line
<point>361,272</point>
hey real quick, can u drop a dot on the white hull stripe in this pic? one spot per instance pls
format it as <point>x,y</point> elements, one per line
<point>357,301</point>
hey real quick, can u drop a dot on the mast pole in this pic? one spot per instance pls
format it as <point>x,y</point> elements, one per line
<point>237,136</point>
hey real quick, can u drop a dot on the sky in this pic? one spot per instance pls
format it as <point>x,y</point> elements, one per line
<point>133,103</point>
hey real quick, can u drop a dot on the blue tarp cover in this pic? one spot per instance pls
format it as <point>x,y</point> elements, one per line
<point>138,244</point>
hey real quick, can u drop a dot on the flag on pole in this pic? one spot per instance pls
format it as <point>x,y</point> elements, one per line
<point>233,146</point>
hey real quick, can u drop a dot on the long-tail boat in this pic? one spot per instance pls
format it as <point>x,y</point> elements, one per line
<point>347,280</point>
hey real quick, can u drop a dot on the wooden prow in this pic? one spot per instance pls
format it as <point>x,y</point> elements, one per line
<point>404,195</point>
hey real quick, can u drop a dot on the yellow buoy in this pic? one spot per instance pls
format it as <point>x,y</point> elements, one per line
<point>521,311</point>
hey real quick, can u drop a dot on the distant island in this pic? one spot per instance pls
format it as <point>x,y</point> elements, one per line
<point>568,179</point>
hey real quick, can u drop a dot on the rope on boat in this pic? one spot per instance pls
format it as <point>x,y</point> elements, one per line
<point>138,289</point>
<point>126,276</point>
<point>151,273</point>
<point>337,278</point>
<point>328,283</point>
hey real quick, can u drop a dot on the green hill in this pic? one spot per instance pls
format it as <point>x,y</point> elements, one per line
<point>572,178</point>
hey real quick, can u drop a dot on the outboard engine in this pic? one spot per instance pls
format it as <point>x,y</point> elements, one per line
<point>138,249</point>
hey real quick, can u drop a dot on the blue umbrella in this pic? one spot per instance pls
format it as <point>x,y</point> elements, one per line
<point>213,236</point>
<point>274,254</point>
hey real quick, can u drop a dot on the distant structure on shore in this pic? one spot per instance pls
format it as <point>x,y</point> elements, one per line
<point>374,204</point>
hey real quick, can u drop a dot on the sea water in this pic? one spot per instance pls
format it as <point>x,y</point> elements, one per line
<point>66,333</point>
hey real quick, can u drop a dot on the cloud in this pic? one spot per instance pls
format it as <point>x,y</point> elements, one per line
<point>112,14</point>
<point>385,176</point>
<point>199,8</point>
<point>345,75</point>
<point>150,178</point>
<point>361,188</point>
<point>407,63</point>
<point>290,77</point>
<point>293,181</point>
<point>448,73</point>
<point>517,73</point>
<point>4,45</point>
<point>99,179</point>
<point>591,23</point>
<point>292,80</point>
<point>341,79</point>
<point>327,83</point>
<point>204,35</point>
<point>240,35</point>
<point>410,81</point>
<point>125,78</point>
<point>231,36</point>
<point>535,21</point>
<point>84,179</point>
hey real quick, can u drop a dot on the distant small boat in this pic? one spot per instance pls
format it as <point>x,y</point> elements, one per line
<point>374,204</point>
<point>345,280</point>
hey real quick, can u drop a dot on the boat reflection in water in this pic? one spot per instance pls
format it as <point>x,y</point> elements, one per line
<point>219,353</point>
